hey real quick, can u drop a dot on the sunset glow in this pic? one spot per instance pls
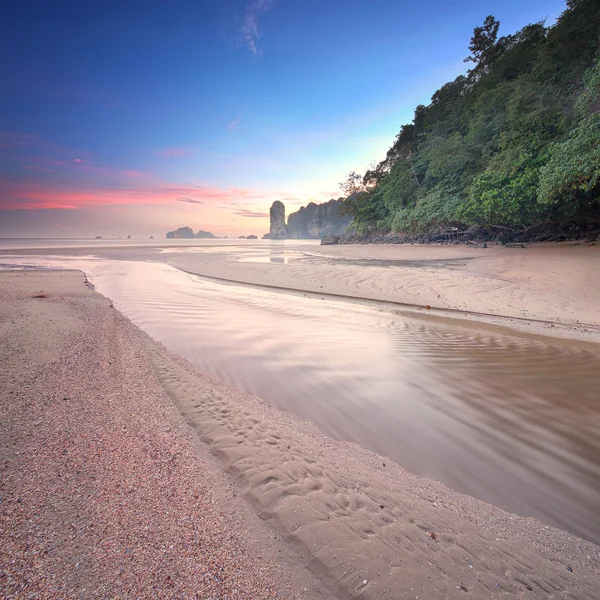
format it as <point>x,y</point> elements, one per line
<point>205,114</point>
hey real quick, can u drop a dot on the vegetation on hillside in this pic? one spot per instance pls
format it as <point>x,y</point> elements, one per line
<point>513,144</point>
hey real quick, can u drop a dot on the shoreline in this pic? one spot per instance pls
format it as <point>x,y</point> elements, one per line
<point>332,502</point>
<point>546,288</point>
<point>508,286</point>
<point>589,332</point>
<point>105,490</point>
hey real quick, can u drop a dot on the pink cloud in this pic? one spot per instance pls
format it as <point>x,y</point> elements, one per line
<point>190,200</point>
<point>80,164</point>
<point>251,213</point>
<point>45,195</point>
<point>175,152</point>
<point>233,125</point>
<point>12,139</point>
<point>38,169</point>
<point>86,165</point>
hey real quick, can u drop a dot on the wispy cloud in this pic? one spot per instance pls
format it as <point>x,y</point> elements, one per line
<point>12,139</point>
<point>233,125</point>
<point>190,200</point>
<point>251,213</point>
<point>76,165</point>
<point>175,152</point>
<point>29,195</point>
<point>250,26</point>
<point>38,169</point>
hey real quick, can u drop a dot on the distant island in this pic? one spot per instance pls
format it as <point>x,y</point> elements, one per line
<point>188,233</point>
<point>312,221</point>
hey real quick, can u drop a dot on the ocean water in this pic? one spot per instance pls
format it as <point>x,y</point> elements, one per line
<point>508,417</point>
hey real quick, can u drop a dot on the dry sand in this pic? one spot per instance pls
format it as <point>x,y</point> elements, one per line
<point>108,491</point>
<point>558,284</point>
<point>105,492</point>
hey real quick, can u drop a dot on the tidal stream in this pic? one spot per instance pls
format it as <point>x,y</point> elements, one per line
<point>508,417</point>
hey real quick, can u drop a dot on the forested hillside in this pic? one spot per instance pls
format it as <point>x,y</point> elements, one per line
<point>513,144</point>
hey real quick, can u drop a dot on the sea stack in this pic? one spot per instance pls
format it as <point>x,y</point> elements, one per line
<point>278,229</point>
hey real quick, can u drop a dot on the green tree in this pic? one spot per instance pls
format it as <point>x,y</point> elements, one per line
<point>504,200</point>
<point>513,143</point>
<point>352,184</point>
<point>485,47</point>
<point>571,179</point>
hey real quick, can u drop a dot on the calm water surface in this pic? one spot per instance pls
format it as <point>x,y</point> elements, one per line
<point>507,417</point>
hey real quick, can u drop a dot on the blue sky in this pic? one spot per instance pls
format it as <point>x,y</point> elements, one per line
<point>139,117</point>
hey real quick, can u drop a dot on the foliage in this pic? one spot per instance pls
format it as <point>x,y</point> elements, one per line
<point>439,207</point>
<point>511,144</point>
<point>352,184</point>
<point>486,47</point>
<point>572,175</point>
<point>352,204</point>
<point>500,199</point>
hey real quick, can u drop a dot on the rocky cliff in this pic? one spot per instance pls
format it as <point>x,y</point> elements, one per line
<point>317,220</point>
<point>278,229</point>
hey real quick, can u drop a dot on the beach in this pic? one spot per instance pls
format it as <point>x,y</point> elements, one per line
<point>537,287</point>
<point>130,472</point>
<point>550,288</point>
<point>105,490</point>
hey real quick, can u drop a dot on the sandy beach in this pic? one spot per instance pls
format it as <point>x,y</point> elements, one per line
<point>540,287</point>
<point>551,288</point>
<point>129,472</point>
<point>105,491</point>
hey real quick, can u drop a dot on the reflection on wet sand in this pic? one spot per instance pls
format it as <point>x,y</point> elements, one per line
<point>287,256</point>
<point>507,417</point>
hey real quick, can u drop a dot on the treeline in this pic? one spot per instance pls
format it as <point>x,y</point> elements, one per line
<point>513,144</point>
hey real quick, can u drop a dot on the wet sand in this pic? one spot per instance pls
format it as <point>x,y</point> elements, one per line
<point>548,288</point>
<point>557,284</point>
<point>361,524</point>
<point>105,492</point>
<point>507,417</point>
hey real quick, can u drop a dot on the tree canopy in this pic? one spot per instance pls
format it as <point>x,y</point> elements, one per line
<point>513,143</point>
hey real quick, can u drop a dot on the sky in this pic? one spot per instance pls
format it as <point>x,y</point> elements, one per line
<point>136,118</point>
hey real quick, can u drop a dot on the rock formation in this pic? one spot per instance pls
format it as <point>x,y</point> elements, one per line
<point>310,222</point>
<point>205,234</point>
<point>187,233</point>
<point>278,227</point>
<point>317,220</point>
